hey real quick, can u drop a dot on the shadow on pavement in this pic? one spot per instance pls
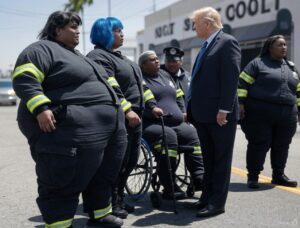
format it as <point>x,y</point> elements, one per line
<point>242,187</point>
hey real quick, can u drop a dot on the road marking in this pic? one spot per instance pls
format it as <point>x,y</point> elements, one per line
<point>265,180</point>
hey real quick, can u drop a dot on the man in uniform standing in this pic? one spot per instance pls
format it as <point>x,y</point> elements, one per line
<point>173,65</point>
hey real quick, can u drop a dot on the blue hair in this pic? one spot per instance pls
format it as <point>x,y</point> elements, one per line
<point>102,31</point>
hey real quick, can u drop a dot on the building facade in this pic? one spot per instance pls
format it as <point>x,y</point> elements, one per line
<point>249,21</point>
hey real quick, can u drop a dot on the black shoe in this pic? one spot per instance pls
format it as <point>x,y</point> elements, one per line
<point>129,208</point>
<point>252,184</point>
<point>167,195</point>
<point>283,180</point>
<point>199,205</point>
<point>209,211</point>
<point>107,221</point>
<point>118,211</point>
<point>252,181</point>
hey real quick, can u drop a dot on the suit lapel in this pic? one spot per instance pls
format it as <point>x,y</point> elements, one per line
<point>211,47</point>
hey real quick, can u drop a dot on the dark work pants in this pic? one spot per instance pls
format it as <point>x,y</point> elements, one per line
<point>130,159</point>
<point>176,136</point>
<point>217,148</point>
<point>268,126</point>
<point>83,155</point>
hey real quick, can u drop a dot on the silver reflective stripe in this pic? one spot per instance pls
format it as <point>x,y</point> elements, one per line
<point>125,104</point>
<point>31,68</point>
<point>148,95</point>
<point>37,101</point>
<point>61,224</point>
<point>197,150</point>
<point>113,82</point>
<point>247,78</point>
<point>179,93</point>
<point>242,93</point>
<point>102,212</point>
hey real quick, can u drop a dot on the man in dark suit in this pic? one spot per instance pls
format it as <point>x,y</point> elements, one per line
<point>213,106</point>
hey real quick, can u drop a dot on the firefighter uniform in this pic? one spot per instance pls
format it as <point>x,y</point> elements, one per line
<point>162,92</point>
<point>126,78</point>
<point>182,77</point>
<point>85,151</point>
<point>270,92</point>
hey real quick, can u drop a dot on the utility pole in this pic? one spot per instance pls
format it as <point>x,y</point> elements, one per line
<point>154,5</point>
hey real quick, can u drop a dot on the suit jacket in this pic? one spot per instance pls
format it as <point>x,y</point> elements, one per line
<point>214,86</point>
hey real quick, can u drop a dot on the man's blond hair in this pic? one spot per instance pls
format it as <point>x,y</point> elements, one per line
<point>209,14</point>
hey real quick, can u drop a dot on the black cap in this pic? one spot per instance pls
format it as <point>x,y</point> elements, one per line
<point>173,53</point>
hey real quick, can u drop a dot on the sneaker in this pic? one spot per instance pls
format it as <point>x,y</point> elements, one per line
<point>107,221</point>
<point>283,180</point>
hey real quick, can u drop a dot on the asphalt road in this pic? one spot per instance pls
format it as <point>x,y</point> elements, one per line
<point>269,206</point>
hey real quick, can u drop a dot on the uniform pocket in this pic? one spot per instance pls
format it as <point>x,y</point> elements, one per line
<point>56,165</point>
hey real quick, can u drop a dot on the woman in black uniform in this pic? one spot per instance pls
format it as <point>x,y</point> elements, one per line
<point>269,93</point>
<point>126,78</point>
<point>161,98</point>
<point>74,125</point>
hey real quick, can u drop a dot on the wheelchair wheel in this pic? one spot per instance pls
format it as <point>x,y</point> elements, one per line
<point>183,180</point>
<point>139,181</point>
<point>156,200</point>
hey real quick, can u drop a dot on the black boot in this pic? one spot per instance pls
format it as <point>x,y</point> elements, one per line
<point>117,209</point>
<point>282,179</point>
<point>252,181</point>
<point>124,205</point>
<point>107,221</point>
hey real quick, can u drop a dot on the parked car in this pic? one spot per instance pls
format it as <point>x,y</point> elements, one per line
<point>7,94</point>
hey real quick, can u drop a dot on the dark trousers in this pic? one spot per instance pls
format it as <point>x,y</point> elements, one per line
<point>130,159</point>
<point>217,148</point>
<point>83,155</point>
<point>268,126</point>
<point>183,135</point>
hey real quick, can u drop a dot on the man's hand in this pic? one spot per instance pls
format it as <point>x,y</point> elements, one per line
<point>133,119</point>
<point>46,121</point>
<point>221,118</point>
<point>157,112</point>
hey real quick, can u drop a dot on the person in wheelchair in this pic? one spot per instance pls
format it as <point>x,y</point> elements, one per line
<point>163,97</point>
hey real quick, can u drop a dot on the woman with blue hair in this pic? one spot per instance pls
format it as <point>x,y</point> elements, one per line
<point>126,79</point>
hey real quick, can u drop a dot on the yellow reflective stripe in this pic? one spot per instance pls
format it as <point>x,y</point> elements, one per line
<point>298,87</point>
<point>247,78</point>
<point>102,212</point>
<point>36,101</point>
<point>298,101</point>
<point>60,224</point>
<point>242,93</point>
<point>125,104</point>
<point>179,93</point>
<point>31,68</point>
<point>197,150</point>
<point>113,82</point>
<point>157,146</point>
<point>171,153</point>
<point>148,95</point>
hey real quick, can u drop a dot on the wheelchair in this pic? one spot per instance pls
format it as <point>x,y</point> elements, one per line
<point>145,175</point>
